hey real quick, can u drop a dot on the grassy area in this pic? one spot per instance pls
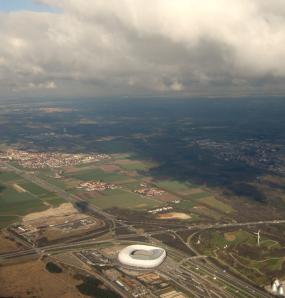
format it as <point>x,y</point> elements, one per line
<point>275,264</point>
<point>54,181</point>
<point>270,244</point>
<point>131,185</point>
<point>217,240</point>
<point>239,237</point>
<point>213,240</point>
<point>53,200</point>
<point>199,195</point>
<point>15,202</point>
<point>97,174</point>
<point>6,220</point>
<point>215,204</point>
<point>193,206</point>
<point>7,176</point>
<point>268,264</point>
<point>123,199</point>
<point>204,211</point>
<point>134,165</point>
<point>185,204</point>
<point>240,250</point>
<point>33,188</point>
<point>174,186</point>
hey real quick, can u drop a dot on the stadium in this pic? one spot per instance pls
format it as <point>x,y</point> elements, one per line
<point>142,256</point>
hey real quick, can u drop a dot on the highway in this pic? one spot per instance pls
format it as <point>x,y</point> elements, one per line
<point>212,226</point>
<point>212,275</point>
<point>188,268</point>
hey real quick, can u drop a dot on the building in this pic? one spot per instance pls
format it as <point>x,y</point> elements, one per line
<point>277,288</point>
<point>142,256</point>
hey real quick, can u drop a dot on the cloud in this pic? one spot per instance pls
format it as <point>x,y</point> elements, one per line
<point>35,86</point>
<point>126,47</point>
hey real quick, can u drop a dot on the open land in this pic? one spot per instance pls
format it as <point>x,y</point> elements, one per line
<point>36,283</point>
<point>74,194</point>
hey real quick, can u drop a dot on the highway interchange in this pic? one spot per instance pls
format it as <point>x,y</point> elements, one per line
<point>195,274</point>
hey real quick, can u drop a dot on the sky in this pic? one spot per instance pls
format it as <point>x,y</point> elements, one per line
<point>80,48</point>
<point>22,5</point>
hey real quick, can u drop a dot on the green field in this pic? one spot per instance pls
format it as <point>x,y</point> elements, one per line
<point>132,185</point>
<point>241,236</point>
<point>214,207</point>
<point>19,203</point>
<point>270,264</point>
<point>53,200</point>
<point>123,199</point>
<point>174,186</point>
<point>135,166</point>
<point>33,188</point>
<point>185,204</point>
<point>215,204</point>
<point>97,174</point>
<point>6,220</point>
<point>54,181</point>
<point>217,240</point>
<point>243,253</point>
<point>198,195</point>
<point>7,176</point>
<point>15,203</point>
<point>207,212</point>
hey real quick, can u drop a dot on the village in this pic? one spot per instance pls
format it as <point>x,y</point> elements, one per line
<point>148,191</point>
<point>96,186</point>
<point>40,160</point>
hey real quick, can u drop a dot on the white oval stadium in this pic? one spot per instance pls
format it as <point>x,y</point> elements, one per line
<point>143,256</point>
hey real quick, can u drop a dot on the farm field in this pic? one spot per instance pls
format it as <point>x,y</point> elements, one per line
<point>123,199</point>
<point>25,196</point>
<point>8,176</point>
<point>19,197</point>
<point>6,244</point>
<point>189,195</point>
<point>97,174</point>
<point>216,204</point>
<point>174,186</point>
<point>134,165</point>
<point>15,203</point>
<point>37,283</point>
<point>197,200</point>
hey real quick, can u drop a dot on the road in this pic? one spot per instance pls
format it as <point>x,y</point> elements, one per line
<point>188,268</point>
<point>213,226</point>
<point>212,274</point>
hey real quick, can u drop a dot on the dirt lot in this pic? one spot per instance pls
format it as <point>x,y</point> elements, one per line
<point>57,215</point>
<point>36,282</point>
<point>167,197</point>
<point>7,245</point>
<point>64,221</point>
<point>174,215</point>
<point>230,236</point>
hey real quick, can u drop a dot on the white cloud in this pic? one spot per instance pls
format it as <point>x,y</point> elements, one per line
<point>137,47</point>
<point>44,85</point>
<point>35,86</point>
<point>176,86</point>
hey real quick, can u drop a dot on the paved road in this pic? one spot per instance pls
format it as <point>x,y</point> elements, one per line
<point>212,226</point>
<point>210,269</point>
<point>187,267</point>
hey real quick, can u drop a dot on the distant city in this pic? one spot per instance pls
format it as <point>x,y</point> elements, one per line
<point>168,204</point>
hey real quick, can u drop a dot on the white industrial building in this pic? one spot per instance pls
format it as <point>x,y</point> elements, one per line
<point>142,256</point>
<point>277,288</point>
